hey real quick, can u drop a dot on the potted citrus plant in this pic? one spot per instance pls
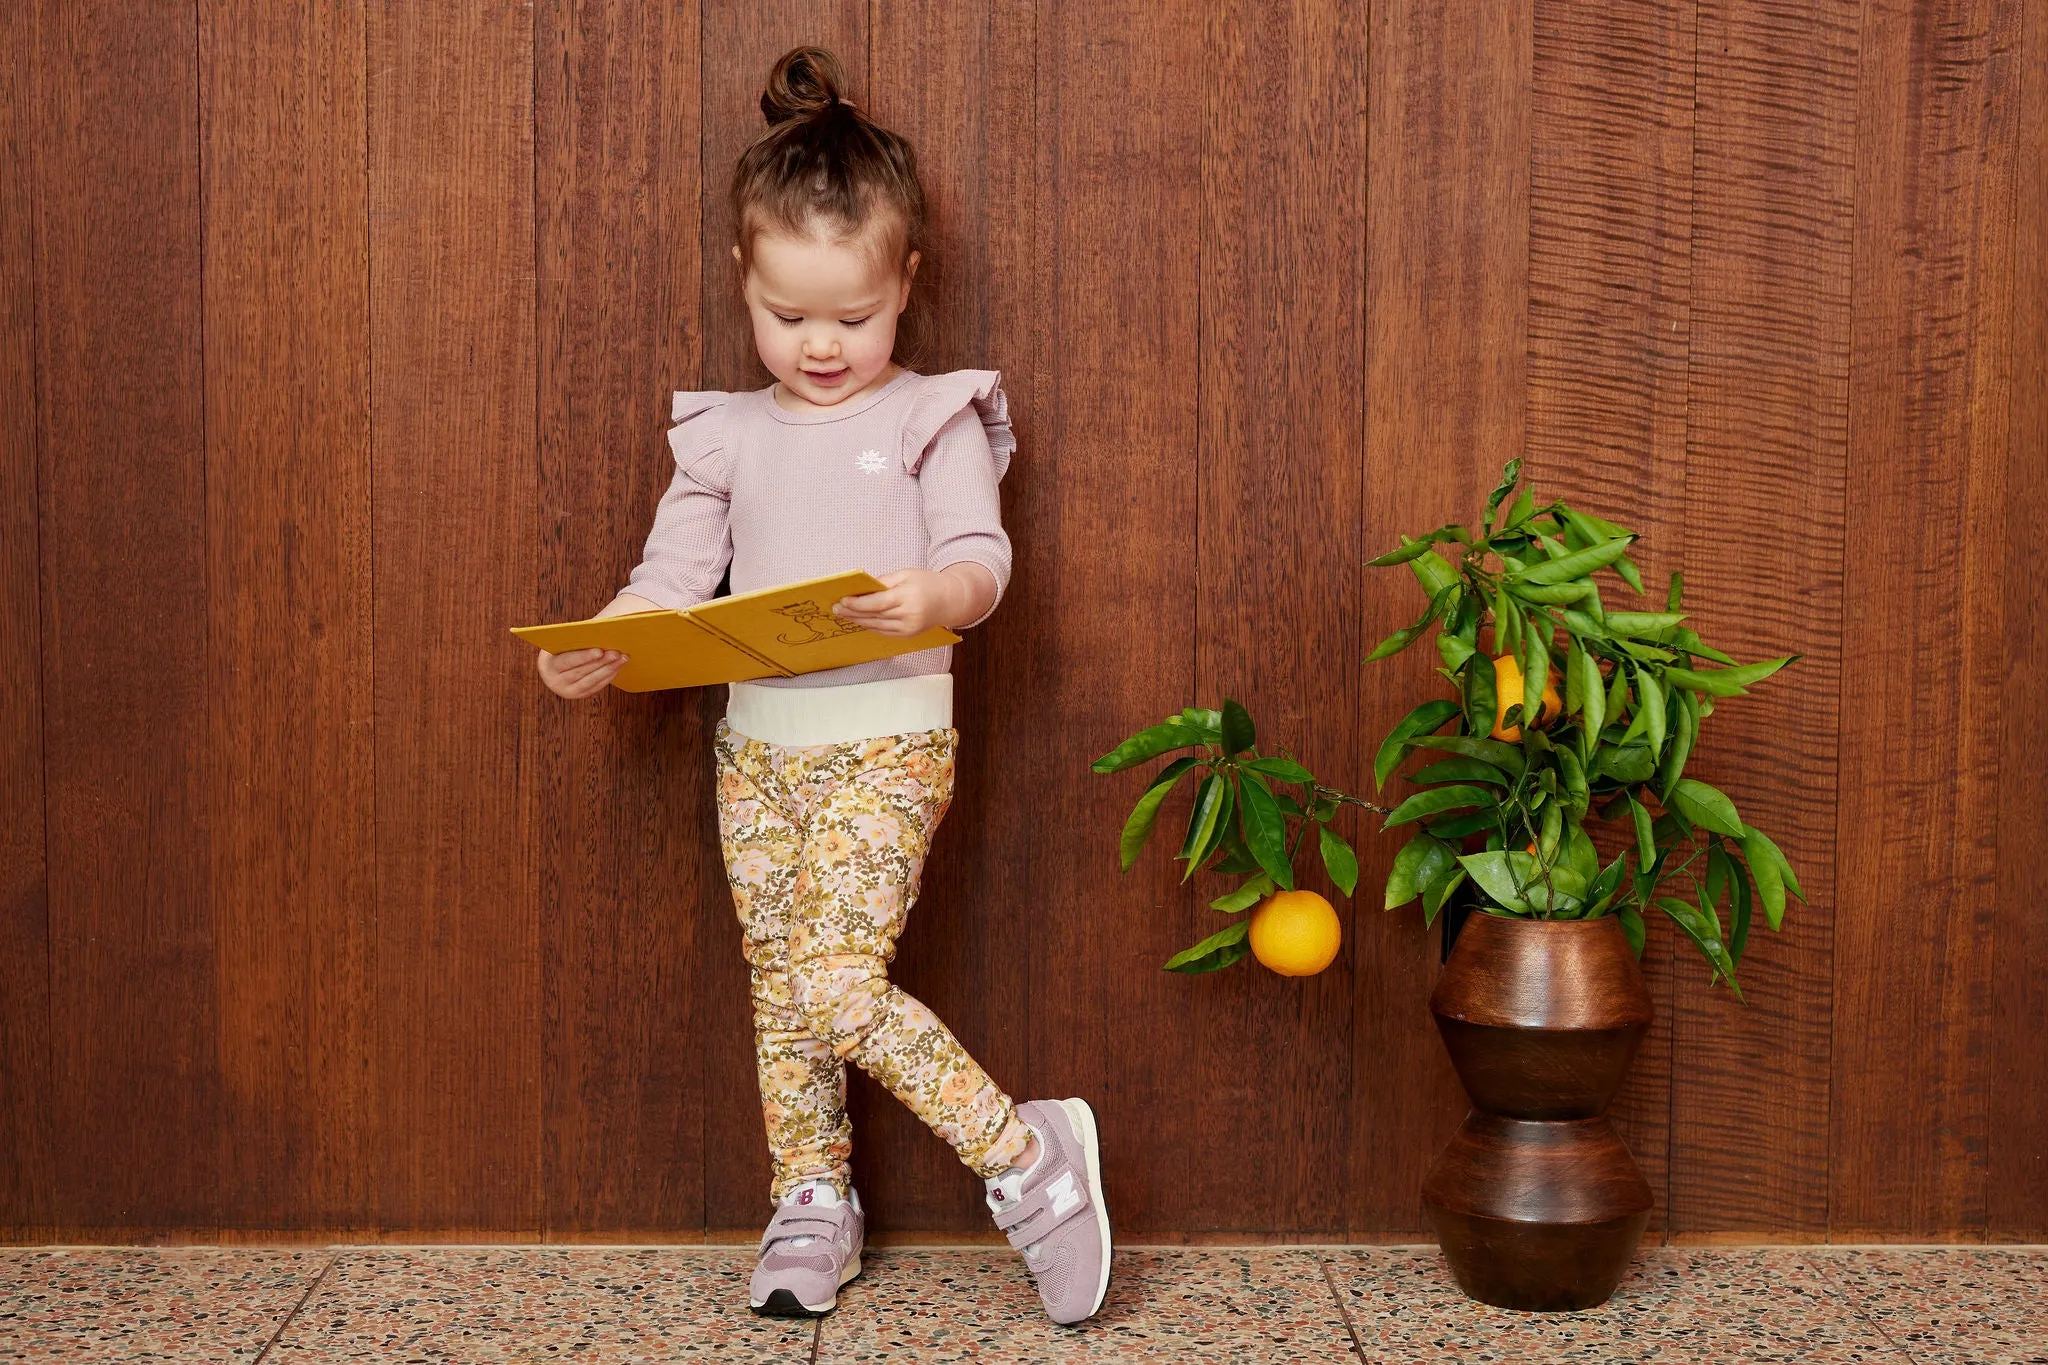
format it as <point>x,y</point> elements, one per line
<point>1561,710</point>
<point>1243,822</point>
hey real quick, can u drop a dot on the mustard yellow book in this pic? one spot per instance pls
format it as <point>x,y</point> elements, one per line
<point>773,633</point>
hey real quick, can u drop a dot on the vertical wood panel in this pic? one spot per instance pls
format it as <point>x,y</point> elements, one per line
<point>1610,233</point>
<point>134,1006</point>
<point>741,41</point>
<point>1114,551</point>
<point>1446,326</point>
<point>288,516</point>
<point>956,80</point>
<point>630,882</point>
<point>1762,527</point>
<point>452,305</point>
<point>1923,607</point>
<point>2018,1204</point>
<point>24,882</point>
<point>1276,609</point>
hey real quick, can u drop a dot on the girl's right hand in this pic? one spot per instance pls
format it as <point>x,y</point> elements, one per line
<point>580,672</point>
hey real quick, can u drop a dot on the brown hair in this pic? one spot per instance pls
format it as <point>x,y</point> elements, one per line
<point>823,162</point>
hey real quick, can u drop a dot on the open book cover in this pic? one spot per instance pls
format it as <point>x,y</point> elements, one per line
<point>772,633</point>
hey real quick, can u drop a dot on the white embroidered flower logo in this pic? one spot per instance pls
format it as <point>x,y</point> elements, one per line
<point>871,462</point>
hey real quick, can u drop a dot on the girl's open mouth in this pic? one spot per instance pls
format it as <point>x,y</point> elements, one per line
<point>828,378</point>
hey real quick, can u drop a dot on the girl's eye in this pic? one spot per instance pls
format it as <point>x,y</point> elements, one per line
<point>787,321</point>
<point>854,322</point>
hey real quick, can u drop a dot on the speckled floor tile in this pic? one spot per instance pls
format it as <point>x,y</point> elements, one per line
<point>1727,1307</point>
<point>148,1304</point>
<point>538,1304</point>
<point>934,1307</point>
<point>1953,1306</point>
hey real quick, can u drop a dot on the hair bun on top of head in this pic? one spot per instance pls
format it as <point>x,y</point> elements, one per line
<point>805,83</point>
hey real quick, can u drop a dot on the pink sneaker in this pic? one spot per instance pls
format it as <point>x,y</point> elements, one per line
<point>811,1248</point>
<point>1054,1213</point>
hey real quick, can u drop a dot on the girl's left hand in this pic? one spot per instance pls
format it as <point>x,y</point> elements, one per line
<point>914,600</point>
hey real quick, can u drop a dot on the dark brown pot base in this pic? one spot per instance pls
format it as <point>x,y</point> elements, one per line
<point>1539,1216</point>
<point>1537,1203</point>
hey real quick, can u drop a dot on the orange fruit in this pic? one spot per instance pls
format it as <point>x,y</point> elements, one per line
<point>1295,933</point>
<point>1507,688</point>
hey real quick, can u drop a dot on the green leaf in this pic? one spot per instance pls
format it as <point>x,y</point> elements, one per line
<point>1577,564</point>
<point>1212,800</point>
<point>1421,862</point>
<point>1501,754</point>
<point>1705,934</point>
<point>1398,641</point>
<point>1772,872</point>
<point>1524,508</point>
<point>1602,889</point>
<point>1689,642</point>
<point>1535,671</point>
<point>1149,743</point>
<point>1423,720</point>
<point>1283,770</point>
<point>1481,702</point>
<point>1617,693</point>
<point>1458,826</point>
<point>1510,475</point>
<point>1238,733</point>
<point>1433,573</point>
<point>1574,676</point>
<point>1437,800</point>
<point>1632,925</point>
<point>1138,828</point>
<point>1650,691</point>
<point>1552,594</point>
<point>1339,859</point>
<point>1706,807</point>
<point>1646,838</point>
<point>1415,549</point>
<point>1213,953</point>
<point>1630,575</point>
<point>1593,696</point>
<point>1461,770</point>
<point>1727,682</point>
<point>1627,764</point>
<point>1738,937</point>
<point>1517,881</point>
<point>1643,625</point>
<point>1685,732</point>
<point>1437,892</point>
<point>1265,830</point>
<point>1785,871</point>
<point>1455,650</point>
<point>1676,594</point>
<point>1575,783</point>
<point>1245,897</point>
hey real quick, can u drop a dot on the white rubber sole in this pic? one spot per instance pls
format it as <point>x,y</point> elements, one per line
<point>1083,1119</point>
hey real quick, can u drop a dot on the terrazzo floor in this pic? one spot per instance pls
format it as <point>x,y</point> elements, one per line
<point>1727,1306</point>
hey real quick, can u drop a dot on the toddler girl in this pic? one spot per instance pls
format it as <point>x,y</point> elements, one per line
<point>831,784</point>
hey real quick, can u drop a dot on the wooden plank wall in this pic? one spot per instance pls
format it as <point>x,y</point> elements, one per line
<point>334,339</point>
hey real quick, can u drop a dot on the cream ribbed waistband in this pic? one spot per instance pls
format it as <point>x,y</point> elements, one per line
<point>801,716</point>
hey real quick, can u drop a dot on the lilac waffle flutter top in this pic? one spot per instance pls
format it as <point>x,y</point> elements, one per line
<point>904,477</point>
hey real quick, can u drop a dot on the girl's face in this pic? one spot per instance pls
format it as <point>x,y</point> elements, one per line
<point>824,313</point>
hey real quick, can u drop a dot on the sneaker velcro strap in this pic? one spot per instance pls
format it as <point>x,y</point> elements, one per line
<point>1034,1215</point>
<point>787,1224</point>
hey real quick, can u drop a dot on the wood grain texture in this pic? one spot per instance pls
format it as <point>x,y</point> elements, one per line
<point>2017,1204</point>
<point>453,423</point>
<point>289,774</point>
<point>138,1112</point>
<point>1610,247</point>
<point>1279,478</point>
<point>740,44</point>
<point>1768,448</point>
<point>1446,346</point>
<point>956,80</point>
<point>1923,608</point>
<point>631,888</point>
<point>25,1184</point>
<point>1113,552</point>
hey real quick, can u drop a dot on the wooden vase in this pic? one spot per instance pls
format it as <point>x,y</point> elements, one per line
<point>1537,1203</point>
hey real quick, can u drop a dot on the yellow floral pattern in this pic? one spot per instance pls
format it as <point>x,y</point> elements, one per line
<point>824,847</point>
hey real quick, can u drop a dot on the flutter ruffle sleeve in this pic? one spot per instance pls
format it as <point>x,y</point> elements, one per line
<point>957,442</point>
<point>691,542</point>
<point>943,397</point>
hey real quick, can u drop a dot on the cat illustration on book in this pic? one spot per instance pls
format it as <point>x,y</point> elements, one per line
<point>817,619</point>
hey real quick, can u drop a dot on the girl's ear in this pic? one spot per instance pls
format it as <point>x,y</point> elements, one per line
<point>909,274</point>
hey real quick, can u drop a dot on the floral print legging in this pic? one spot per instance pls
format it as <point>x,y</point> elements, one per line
<point>824,846</point>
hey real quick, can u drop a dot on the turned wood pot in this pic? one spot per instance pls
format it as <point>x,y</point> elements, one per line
<point>1537,1203</point>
